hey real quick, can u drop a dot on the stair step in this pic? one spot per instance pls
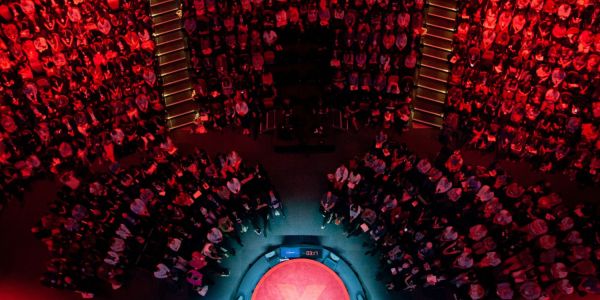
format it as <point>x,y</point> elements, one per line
<point>181,121</point>
<point>430,95</point>
<point>171,47</point>
<point>445,4</point>
<point>435,53</point>
<point>440,23</point>
<point>179,66</point>
<point>427,119</point>
<point>440,33</point>
<point>169,37</point>
<point>427,112</point>
<point>159,2</point>
<point>175,78</point>
<point>429,107</point>
<point>432,85</point>
<point>179,98</point>
<point>433,74</point>
<point>166,23</point>
<point>437,43</point>
<point>165,19</point>
<point>435,64</point>
<point>189,107</point>
<point>177,88</point>
<point>441,13</point>
<point>171,58</point>
<point>163,8</point>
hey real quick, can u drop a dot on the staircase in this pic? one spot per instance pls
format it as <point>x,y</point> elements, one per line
<point>434,67</point>
<point>172,57</point>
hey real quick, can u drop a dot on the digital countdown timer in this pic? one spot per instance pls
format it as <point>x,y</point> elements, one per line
<point>311,253</point>
<point>300,252</point>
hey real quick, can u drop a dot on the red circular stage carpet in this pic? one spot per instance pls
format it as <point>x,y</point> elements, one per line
<point>300,279</point>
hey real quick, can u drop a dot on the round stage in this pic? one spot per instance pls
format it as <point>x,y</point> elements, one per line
<point>300,279</point>
<point>300,272</point>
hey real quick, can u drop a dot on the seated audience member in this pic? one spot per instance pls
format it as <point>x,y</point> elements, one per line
<point>172,214</point>
<point>237,41</point>
<point>469,228</point>
<point>77,86</point>
<point>525,83</point>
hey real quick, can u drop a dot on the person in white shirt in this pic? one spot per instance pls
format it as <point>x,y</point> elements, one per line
<point>209,250</point>
<point>118,245</point>
<point>123,232</point>
<point>162,271</point>
<point>234,185</point>
<point>174,244</point>
<point>341,175</point>
<point>241,108</point>
<point>353,179</point>
<point>234,160</point>
<point>214,236</point>
<point>270,37</point>
<point>112,258</point>
<point>139,207</point>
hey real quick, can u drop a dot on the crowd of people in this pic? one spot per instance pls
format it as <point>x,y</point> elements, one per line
<point>472,229</point>
<point>78,92</point>
<point>77,84</point>
<point>373,47</point>
<point>176,215</point>
<point>230,42</point>
<point>374,51</point>
<point>525,79</point>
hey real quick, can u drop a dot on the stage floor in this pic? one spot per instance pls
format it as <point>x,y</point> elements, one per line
<point>300,279</point>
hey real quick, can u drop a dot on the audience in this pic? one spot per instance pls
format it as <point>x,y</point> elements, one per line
<point>471,228</point>
<point>174,215</point>
<point>373,49</point>
<point>525,83</point>
<point>77,86</point>
<point>78,91</point>
<point>230,42</point>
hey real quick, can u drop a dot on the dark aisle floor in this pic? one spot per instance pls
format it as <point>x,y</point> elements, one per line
<point>300,179</point>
